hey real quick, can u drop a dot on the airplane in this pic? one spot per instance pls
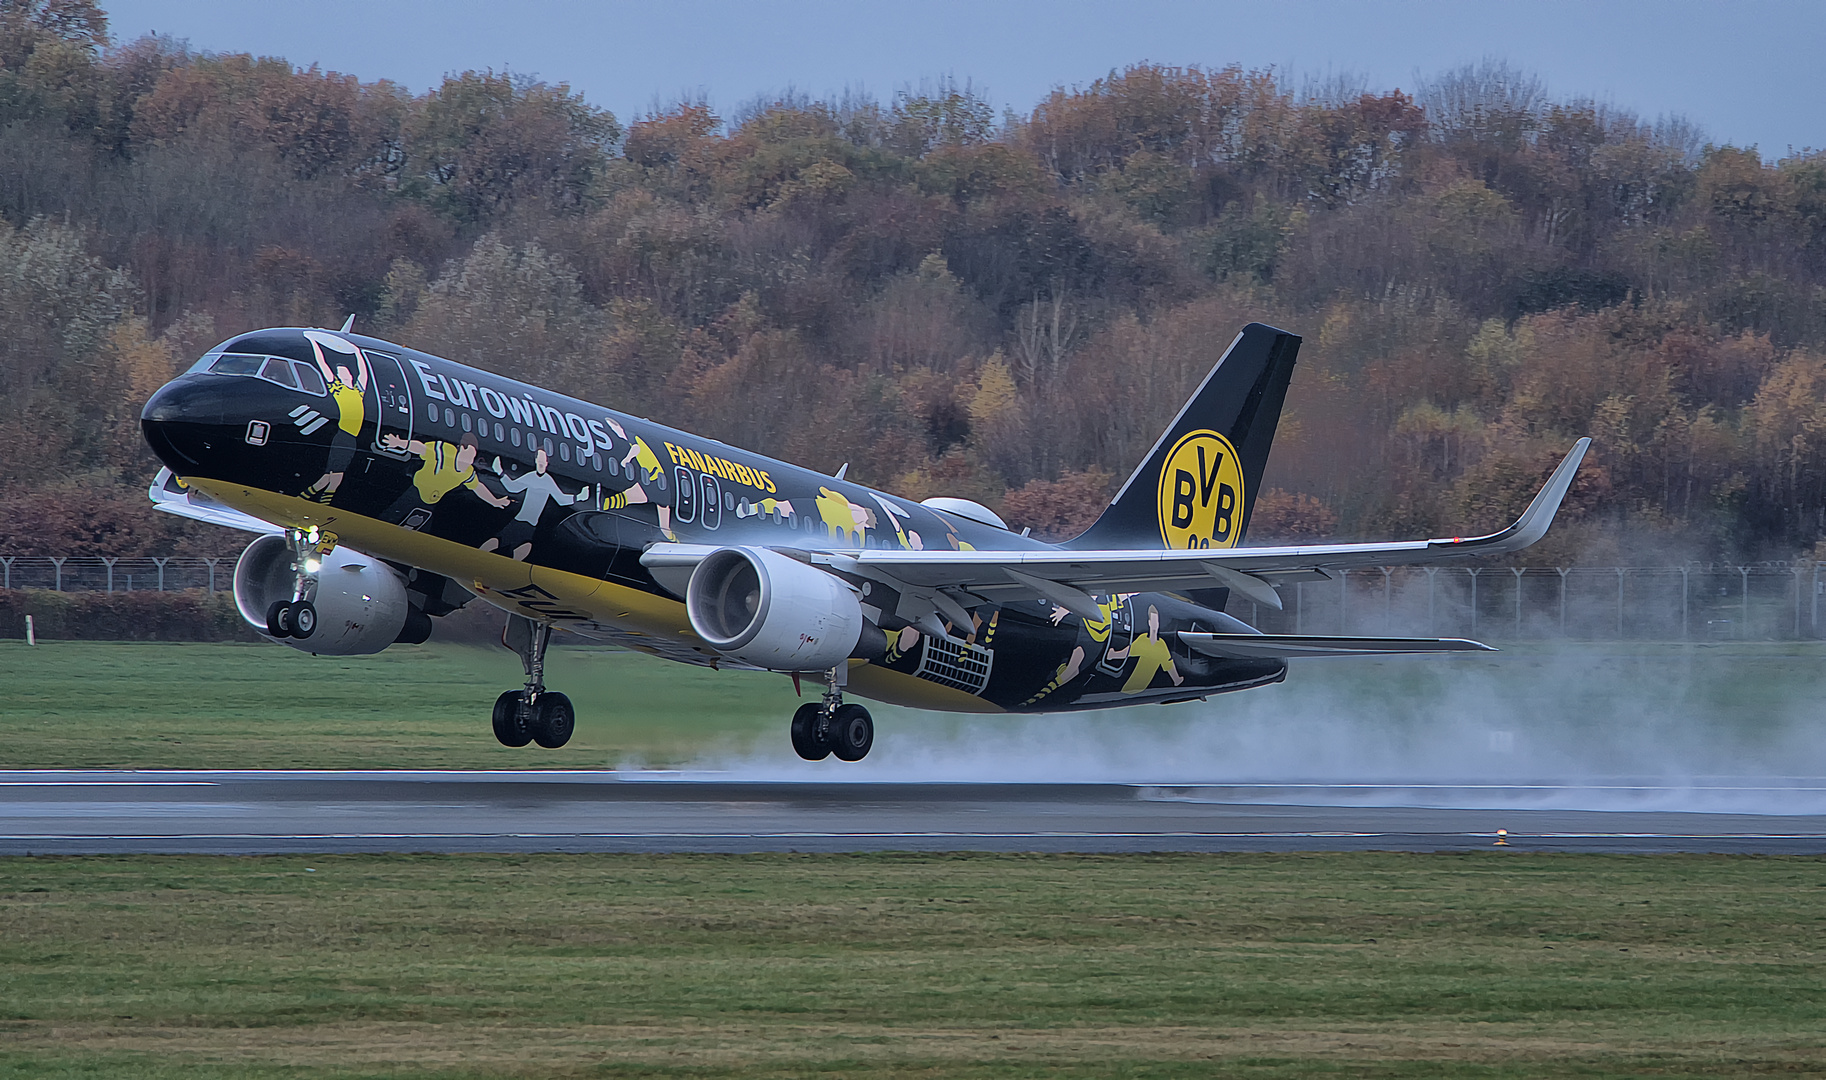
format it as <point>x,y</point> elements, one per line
<point>390,487</point>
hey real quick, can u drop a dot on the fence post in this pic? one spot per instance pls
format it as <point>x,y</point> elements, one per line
<point>1388,603</point>
<point>1299,607</point>
<point>1432,616</point>
<point>1563,572</point>
<point>1797,603</point>
<point>1620,573</point>
<point>110,561</point>
<point>58,563</point>
<point>1743,604</point>
<point>7,562</point>
<point>1518,571</point>
<point>1816,600</point>
<point>212,573</point>
<point>1686,634</point>
<point>1344,602</point>
<point>1474,571</point>
<point>161,565</point>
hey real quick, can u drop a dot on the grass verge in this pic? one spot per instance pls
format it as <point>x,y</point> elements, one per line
<point>1615,708</point>
<point>109,704</point>
<point>1483,965</point>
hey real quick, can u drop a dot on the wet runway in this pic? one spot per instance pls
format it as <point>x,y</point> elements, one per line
<point>258,812</point>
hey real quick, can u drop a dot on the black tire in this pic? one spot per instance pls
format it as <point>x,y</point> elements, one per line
<point>555,721</point>
<point>303,619</point>
<point>510,727</point>
<point>852,733</point>
<point>279,619</point>
<point>808,740</point>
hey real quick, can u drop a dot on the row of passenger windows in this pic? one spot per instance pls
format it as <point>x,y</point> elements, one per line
<point>512,436</point>
<point>291,374</point>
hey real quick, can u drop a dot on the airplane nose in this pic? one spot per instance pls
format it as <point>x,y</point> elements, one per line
<point>191,420</point>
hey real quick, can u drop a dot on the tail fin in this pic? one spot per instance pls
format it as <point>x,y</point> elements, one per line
<point>1196,488</point>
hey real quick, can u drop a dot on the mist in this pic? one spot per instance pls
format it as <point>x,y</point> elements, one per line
<point>1728,728</point>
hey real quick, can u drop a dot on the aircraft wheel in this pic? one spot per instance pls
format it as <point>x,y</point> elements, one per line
<point>510,728</point>
<point>852,732</point>
<point>808,741</point>
<point>303,619</point>
<point>555,721</point>
<point>279,619</point>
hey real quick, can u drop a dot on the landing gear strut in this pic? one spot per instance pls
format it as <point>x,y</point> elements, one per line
<point>533,714</point>
<point>297,617</point>
<point>827,727</point>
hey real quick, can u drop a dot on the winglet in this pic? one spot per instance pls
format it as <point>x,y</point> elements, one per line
<point>1533,523</point>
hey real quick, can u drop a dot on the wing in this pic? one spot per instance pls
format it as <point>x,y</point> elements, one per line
<point>950,581</point>
<point>169,495</point>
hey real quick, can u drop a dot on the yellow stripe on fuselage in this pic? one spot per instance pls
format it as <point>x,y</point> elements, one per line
<point>494,576</point>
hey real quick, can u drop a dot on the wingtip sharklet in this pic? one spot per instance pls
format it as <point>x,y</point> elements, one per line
<point>1535,521</point>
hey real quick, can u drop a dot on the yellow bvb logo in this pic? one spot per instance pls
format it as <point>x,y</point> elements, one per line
<point>1200,500</point>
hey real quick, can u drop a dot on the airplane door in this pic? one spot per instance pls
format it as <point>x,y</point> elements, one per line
<point>388,388</point>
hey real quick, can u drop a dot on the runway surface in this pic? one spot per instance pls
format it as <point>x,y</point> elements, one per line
<point>44,813</point>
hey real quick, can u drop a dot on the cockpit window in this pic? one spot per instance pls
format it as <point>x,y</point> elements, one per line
<point>279,371</point>
<point>237,364</point>
<point>309,380</point>
<point>291,374</point>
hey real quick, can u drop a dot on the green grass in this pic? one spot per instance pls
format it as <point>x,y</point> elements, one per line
<point>1487,965</point>
<point>172,705</point>
<point>175,705</point>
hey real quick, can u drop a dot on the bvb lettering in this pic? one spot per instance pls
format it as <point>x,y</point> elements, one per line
<point>1201,487</point>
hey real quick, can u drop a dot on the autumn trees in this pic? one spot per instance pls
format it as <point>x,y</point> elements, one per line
<point>1007,307</point>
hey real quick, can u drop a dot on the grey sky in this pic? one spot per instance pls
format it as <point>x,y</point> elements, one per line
<point>1747,71</point>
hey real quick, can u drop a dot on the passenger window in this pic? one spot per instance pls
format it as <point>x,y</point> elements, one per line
<point>309,380</point>
<point>279,371</point>
<point>237,364</point>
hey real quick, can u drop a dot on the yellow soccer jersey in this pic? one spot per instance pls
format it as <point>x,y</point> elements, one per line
<point>439,476</point>
<point>1151,657</point>
<point>649,461</point>
<point>349,406</point>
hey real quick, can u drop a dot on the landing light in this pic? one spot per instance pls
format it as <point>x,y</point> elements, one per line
<point>311,566</point>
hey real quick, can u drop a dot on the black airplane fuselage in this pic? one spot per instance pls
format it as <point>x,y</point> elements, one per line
<point>543,504</point>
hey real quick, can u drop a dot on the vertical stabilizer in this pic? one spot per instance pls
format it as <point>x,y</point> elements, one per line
<point>1197,486</point>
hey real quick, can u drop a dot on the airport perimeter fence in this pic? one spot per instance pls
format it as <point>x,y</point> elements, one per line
<point>1717,602</point>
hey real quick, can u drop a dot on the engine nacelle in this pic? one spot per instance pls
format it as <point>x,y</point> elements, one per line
<point>361,602</point>
<point>772,611</point>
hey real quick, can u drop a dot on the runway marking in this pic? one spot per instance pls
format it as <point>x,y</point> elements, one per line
<point>108,783</point>
<point>1075,835</point>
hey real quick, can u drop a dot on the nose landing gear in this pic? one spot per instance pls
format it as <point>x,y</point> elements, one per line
<point>533,714</point>
<point>827,727</point>
<point>297,617</point>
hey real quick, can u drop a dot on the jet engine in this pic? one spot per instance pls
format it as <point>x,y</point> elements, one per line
<point>766,609</point>
<point>358,603</point>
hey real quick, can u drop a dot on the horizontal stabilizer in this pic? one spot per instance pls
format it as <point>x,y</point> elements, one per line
<point>1280,646</point>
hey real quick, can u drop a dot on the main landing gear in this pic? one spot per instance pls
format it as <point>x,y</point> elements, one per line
<point>823,728</point>
<point>533,714</point>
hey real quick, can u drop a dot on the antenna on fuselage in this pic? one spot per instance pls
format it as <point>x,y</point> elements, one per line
<point>348,323</point>
<point>844,468</point>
